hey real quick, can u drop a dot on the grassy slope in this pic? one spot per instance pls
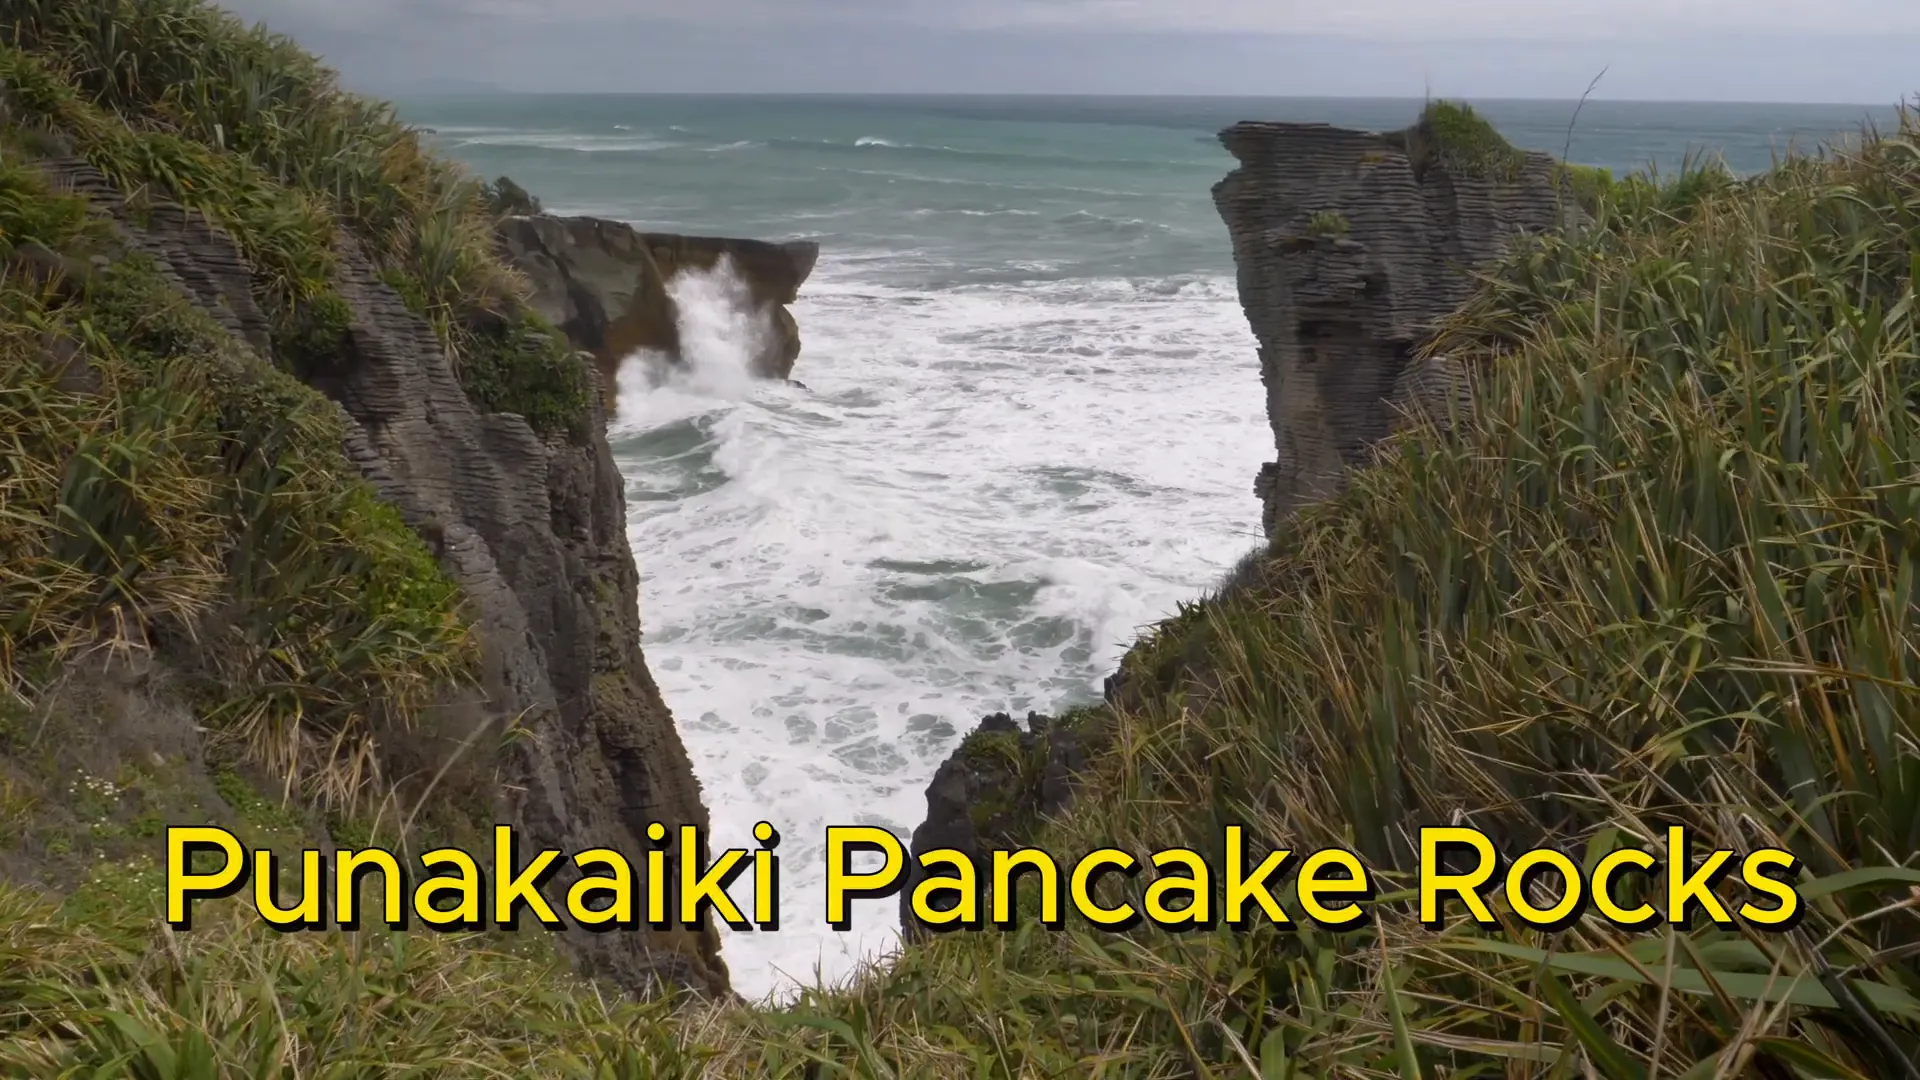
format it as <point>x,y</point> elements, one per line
<point>1667,573</point>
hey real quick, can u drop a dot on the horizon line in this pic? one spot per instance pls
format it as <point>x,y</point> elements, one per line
<point>1083,95</point>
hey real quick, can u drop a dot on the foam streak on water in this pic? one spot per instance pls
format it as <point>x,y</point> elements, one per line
<point>982,496</point>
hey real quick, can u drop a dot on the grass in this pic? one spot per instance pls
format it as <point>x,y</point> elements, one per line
<point>179,97</point>
<point>1587,184</point>
<point>1328,223</point>
<point>165,489</point>
<point>1665,573</point>
<point>1453,135</point>
<point>220,1002</point>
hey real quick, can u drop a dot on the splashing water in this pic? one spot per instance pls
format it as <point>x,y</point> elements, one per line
<point>720,331</point>
<point>837,583</point>
<point>1035,417</point>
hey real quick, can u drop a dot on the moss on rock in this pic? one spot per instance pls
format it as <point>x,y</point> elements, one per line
<point>527,367</point>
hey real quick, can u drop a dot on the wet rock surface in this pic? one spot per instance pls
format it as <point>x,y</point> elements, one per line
<point>605,284</point>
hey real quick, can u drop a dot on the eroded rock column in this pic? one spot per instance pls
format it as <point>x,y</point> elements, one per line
<point>1348,251</point>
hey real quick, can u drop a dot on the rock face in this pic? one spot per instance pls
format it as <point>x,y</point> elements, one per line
<point>535,533</point>
<point>605,284</point>
<point>1000,782</point>
<point>1348,250</point>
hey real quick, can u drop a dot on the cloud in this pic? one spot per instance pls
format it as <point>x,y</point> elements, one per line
<point>1401,20</point>
<point>1753,50</point>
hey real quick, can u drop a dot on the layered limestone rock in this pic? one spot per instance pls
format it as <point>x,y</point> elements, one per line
<point>534,531</point>
<point>605,284</point>
<point>1350,245</point>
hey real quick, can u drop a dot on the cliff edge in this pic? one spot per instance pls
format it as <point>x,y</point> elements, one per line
<point>1350,245</point>
<point>533,531</point>
<point>375,568</point>
<point>606,284</point>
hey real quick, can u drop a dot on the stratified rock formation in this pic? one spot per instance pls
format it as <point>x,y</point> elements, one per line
<point>605,284</point>
<point>566,736</point>
<point>1350,245</point>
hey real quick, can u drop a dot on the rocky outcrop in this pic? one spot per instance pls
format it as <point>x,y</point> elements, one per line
<point>1350,245</point>
<point>995,788</point>
<point>534,531</point>
<point>605,284</point>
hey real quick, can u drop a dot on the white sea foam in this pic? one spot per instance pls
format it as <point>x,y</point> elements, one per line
<point>1004,211</point>
<point>982,497</point>
<point>567,140</point>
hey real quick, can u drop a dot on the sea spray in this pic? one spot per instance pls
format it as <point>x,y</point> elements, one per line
<point>1028,432</point>
<point>1021,441</point>
<point>721,330</point>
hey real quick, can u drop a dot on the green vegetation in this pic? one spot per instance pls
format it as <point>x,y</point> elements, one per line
<point>1453,135</point>
<point>1328,223</point>
<point>503,197</point>
<point>1011,768</point>
<point>180,98</point>
<point>1587,184</point>
<point>1665,573</point>
<point>163,485</point>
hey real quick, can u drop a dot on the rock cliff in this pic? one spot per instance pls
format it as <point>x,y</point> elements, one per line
<point>606,284</point>
<point>534,532</point>
<point>1350,244</point>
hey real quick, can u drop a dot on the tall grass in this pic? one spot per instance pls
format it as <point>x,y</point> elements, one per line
<point>112,998</point>
<point>1664,575</point>
<point>165,489</point>
<point>240,124</point>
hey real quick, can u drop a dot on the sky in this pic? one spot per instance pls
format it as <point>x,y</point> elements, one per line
<point>1848,51</point>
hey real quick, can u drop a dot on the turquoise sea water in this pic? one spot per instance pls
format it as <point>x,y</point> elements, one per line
<point>1031,423</point>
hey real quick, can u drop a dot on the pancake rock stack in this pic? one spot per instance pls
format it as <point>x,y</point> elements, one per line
<point>1350,245</point>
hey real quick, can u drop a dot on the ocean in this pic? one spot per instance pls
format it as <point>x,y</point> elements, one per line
<point>1031,419</point>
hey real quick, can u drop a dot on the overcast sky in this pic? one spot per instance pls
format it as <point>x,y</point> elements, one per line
<point>1854,51</point>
